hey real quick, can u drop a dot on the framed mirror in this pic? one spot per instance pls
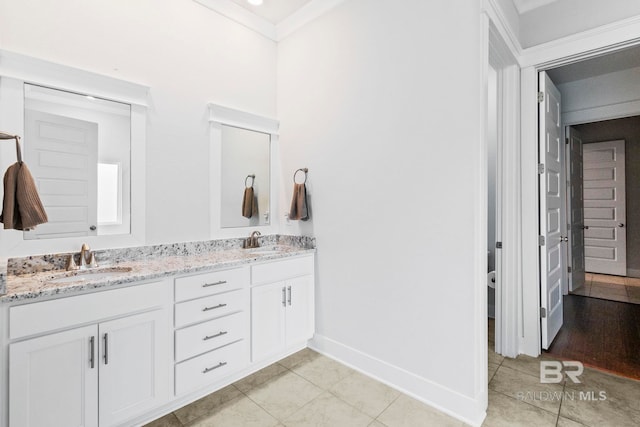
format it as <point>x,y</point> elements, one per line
<point>245,183</point>
<point>78,148</point>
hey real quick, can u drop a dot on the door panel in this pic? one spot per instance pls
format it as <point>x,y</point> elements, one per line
<point>268,307</point>
<point>605,208</point>
<point>299,310</point>
<point>552,211</point>
<point>576,210</point>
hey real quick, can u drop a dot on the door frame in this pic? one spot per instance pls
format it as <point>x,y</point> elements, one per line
<point>592,43</point>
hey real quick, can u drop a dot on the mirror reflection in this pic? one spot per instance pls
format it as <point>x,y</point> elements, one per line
<point>245,184</point>
<point>78,150</point>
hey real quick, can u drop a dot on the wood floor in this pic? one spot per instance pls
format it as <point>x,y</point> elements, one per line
<point>601,334</point>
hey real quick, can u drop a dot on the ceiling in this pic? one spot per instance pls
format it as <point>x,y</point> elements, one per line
<point>527,5</point>
<point>617,61</point>
<point>274,11</point>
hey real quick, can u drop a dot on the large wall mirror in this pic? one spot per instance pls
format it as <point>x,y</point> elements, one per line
<point>78,148</point>
<point>245,183</point>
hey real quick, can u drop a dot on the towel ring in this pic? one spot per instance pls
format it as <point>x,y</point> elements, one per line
<point>253,179</point>
<point>305,170</point>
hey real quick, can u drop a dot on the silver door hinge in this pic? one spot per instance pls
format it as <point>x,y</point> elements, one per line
<point>498,245</point>
<point>540,240</point>
<point>540,168</point>
<point>543,312</point>
<point>569,269</point>
<point>566,140</point>
<point>540,97</point>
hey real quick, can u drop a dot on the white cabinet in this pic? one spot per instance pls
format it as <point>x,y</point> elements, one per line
<point>97,375</point>
<point>54,380</point>
<point>282,313</point>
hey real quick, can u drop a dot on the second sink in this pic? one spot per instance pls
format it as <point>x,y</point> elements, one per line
<point>84,275</point>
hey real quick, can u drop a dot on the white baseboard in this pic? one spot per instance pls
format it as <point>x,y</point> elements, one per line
<point>464,408</point>
<point>632,272</point>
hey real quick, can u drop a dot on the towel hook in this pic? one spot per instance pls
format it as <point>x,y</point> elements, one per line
<point>305,170</point>
<point>253,179</point>
<point>4,135</point>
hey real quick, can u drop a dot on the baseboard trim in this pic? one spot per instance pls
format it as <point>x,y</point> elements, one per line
<point>632,272</point>
<point>464,408</point>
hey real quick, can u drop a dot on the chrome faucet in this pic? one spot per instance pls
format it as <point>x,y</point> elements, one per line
<point>252,241</point>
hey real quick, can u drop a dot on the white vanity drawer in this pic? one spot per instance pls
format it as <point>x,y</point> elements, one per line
<point>210,307</point>
<point>281,270</point>
<point>210,283</point>
<point>211,367</point>
<point>206,336</point>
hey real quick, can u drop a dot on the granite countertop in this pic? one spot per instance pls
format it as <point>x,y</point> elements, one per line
<point>32,286</point>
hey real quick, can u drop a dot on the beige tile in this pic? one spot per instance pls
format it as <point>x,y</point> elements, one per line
<point>376,423</point>
<point>504,411</point>
<point>207,404</point>
<point>633,292</point>
<point>492,369</point>
<point>301,357</point>
<point>365,394</point>
<point>582,290</point>
<point>611,296</point>
<point>610,289</point>
<point>632,281</point>
<point>566,422</point>
<point>495,357</point>
<point>588,277</point>
<point>609,412</point>
<point>604,278</point>
<point>634,300</point>
<point>168,420</point>
<point>284,395</point>
<point>528,365</point>
<point>323,372</point>
<point>328,411</point>
<point>260,377</point>
<point>408,412</point>
<point>527,389</point>
<point>624,391</point>
<point>239,412</point>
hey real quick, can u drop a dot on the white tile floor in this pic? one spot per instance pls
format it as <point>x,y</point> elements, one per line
<point>613,288</point>
<point>308,389</point>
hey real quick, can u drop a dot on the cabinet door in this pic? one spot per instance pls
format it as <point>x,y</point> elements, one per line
<point>134,366</point>
<point>267,320</point>
<point>53,380</point>
<point>299,326</point>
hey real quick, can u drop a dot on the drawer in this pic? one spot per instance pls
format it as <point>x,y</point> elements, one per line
<point>208,308</point>
<point>211,367</point>
<point>203,337</point>
<point>281,270</point>
<point>210,283</point>
<point>39,317</point>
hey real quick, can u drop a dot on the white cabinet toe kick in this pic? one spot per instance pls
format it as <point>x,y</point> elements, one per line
<point>126,356</point>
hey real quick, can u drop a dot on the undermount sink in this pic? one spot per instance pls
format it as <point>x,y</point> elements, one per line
<point>265,250</point>
<point>84,275</point>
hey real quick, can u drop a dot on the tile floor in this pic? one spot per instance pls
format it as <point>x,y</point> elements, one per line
<point>613,288</point>
<point>308,389</point>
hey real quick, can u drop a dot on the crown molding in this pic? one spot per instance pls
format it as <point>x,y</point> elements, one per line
<point>245,17</point>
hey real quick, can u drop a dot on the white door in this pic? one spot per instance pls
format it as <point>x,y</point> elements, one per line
<point>576,214</point>
<point>62,155</point>
<point>553,220</point>
<point>53,380</point>
<point>299,324</point>
<point>134,370</point>
<point>268,305</point>
<point>604,208</point>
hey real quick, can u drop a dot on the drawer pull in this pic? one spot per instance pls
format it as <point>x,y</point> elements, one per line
<point>214,307</point>
<point>219,334</point>
<point>219,365</point>
<point>221,282</point>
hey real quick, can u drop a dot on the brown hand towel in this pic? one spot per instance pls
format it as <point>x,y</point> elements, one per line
<point>21,207</point>
<point>247,203</point>
<point>299,209</point>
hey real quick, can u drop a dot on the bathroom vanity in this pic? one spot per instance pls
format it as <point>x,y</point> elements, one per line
<point>127,343</point>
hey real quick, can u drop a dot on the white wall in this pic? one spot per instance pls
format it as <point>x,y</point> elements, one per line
<point>187,54</point>
<point>566,17</point>
<point>601,97</point>
<point>381,101</point>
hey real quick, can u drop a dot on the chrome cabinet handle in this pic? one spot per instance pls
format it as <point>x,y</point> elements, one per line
<point>92,352</point>
<point>284,296</point>
<point>214,307</point>
<point>106,349</point>
<point>221,282</point>
<point>289,289</point>
<point>219,365</point>
<point>219,334</point>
